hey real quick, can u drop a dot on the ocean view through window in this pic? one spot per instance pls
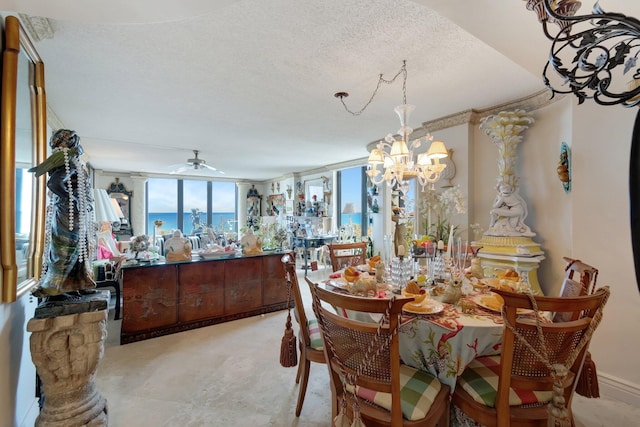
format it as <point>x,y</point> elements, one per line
<point>213,203</point>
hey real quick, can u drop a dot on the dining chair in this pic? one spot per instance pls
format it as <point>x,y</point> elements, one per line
<point>366,374</point>
<point>343,255</point>
<point>516,387</point>
<point>309,337</point>
<point>582,285</point>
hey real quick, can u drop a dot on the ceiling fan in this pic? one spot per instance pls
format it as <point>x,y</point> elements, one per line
<point>195,165</point>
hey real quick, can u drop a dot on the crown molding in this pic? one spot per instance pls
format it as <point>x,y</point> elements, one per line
<point>37,27</point>
<point>53,120</point>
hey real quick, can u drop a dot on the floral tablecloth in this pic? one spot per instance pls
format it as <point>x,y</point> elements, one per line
<point>445,343</point>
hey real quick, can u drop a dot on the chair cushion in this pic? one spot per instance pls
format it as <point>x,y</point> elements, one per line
<point>418,389</point>
<point>315,336</point>
<point>480,380</point>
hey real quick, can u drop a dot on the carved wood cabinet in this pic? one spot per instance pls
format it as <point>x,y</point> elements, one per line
<point>161,299</point>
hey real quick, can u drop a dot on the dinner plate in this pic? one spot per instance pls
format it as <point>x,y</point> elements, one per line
<point>364,268</point>
<point>338,283</point>
<point>427,306</point>
<point>488,301</point>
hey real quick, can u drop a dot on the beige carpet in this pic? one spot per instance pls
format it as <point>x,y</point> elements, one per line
<point>230,375</point>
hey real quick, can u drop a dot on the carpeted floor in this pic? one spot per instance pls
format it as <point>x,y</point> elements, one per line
<point>230,375</point>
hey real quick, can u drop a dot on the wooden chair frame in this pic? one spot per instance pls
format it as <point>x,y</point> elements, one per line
<point>517,375</point>
<point>347,254</point>
<point>372,415</point>
<point>308,354</point>
<point>588,276</point>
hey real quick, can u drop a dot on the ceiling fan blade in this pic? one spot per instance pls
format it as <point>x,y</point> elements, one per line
<point>180,169</point>
<point>206,166</point>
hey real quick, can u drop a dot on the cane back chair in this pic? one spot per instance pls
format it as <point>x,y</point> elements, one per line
<point>364,357</point>
<point>584,284</point>
<point>516,387</point>
<point>309,337</point>
<point>343,255</point>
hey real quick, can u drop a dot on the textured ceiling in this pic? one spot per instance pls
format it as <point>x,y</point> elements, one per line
<point>250,83</point>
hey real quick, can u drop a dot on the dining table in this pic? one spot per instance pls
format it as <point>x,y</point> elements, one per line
<point>445,341</point>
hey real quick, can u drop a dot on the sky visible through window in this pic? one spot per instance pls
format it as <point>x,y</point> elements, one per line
<point>163,203</point>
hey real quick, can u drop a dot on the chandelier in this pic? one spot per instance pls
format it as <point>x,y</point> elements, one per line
<point>400,159</point>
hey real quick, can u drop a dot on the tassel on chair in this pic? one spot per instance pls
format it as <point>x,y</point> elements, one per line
<point>341,420</point>
<point>557,408</point>
<point>588,381</point>
<point>288,349</point>
<point>357,421</point>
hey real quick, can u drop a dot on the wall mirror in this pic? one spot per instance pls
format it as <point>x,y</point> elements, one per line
<point>122,204</point>
<point>23,133</point>
<point>315,204</point>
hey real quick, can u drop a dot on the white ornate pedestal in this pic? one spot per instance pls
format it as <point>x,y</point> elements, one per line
<point>66,347</point>
<point>518,253</point>
<point>508,243</point>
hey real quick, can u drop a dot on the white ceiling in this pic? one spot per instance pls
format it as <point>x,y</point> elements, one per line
<point>250,83</point>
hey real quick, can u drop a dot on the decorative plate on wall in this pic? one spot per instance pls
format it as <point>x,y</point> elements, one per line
<point>564,167</point>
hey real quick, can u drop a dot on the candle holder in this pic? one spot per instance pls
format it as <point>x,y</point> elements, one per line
<point>400,273</point>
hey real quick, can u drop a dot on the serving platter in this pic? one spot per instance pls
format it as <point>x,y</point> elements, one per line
<point>217,255</point>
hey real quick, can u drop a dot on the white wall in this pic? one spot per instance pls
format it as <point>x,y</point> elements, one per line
<point>591,223</point>
<point>601,231</point>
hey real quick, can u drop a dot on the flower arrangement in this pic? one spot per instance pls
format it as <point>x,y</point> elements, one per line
<point>139,244</point>
<point>441,207</point>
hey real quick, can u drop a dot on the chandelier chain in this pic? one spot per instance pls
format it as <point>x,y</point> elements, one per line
<point>381,79</point>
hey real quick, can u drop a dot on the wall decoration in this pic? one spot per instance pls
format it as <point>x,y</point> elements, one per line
<point>564,167</point>
<point>276,204</point>
<point>254,202</point>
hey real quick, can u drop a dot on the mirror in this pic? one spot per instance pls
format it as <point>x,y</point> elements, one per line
<point>122,198</point>
<point>315,204</point>
<point>23,133</point>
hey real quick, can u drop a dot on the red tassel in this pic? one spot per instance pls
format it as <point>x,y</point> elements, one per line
<point>288,349</point>
<point>588,381</point>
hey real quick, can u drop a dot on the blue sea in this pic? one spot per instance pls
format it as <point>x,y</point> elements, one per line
<point>224,221</point>
<point>355,218</point>
<point>220,220</point>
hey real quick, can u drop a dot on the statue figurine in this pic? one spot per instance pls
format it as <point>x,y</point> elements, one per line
<point>250,243</point>
<point>177,248</point>
<point>70,233</point>
<point>453,291</point>
<point>508,213</point>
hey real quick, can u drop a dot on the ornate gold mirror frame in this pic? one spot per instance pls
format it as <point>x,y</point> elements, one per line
<point>21,63</point>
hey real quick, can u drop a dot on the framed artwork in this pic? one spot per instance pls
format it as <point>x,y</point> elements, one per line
<point>254,202</point>
<point>276,205</point>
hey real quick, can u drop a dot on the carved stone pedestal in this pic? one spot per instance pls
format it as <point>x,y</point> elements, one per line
<point>67,344</point>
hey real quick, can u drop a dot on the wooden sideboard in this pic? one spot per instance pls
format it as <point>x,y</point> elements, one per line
<point>164,298</point>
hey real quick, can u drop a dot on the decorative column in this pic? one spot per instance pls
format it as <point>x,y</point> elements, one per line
<point>137,205</point>
<point>66,348</point>
<point>508,241</point>
<point>243,189</point>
